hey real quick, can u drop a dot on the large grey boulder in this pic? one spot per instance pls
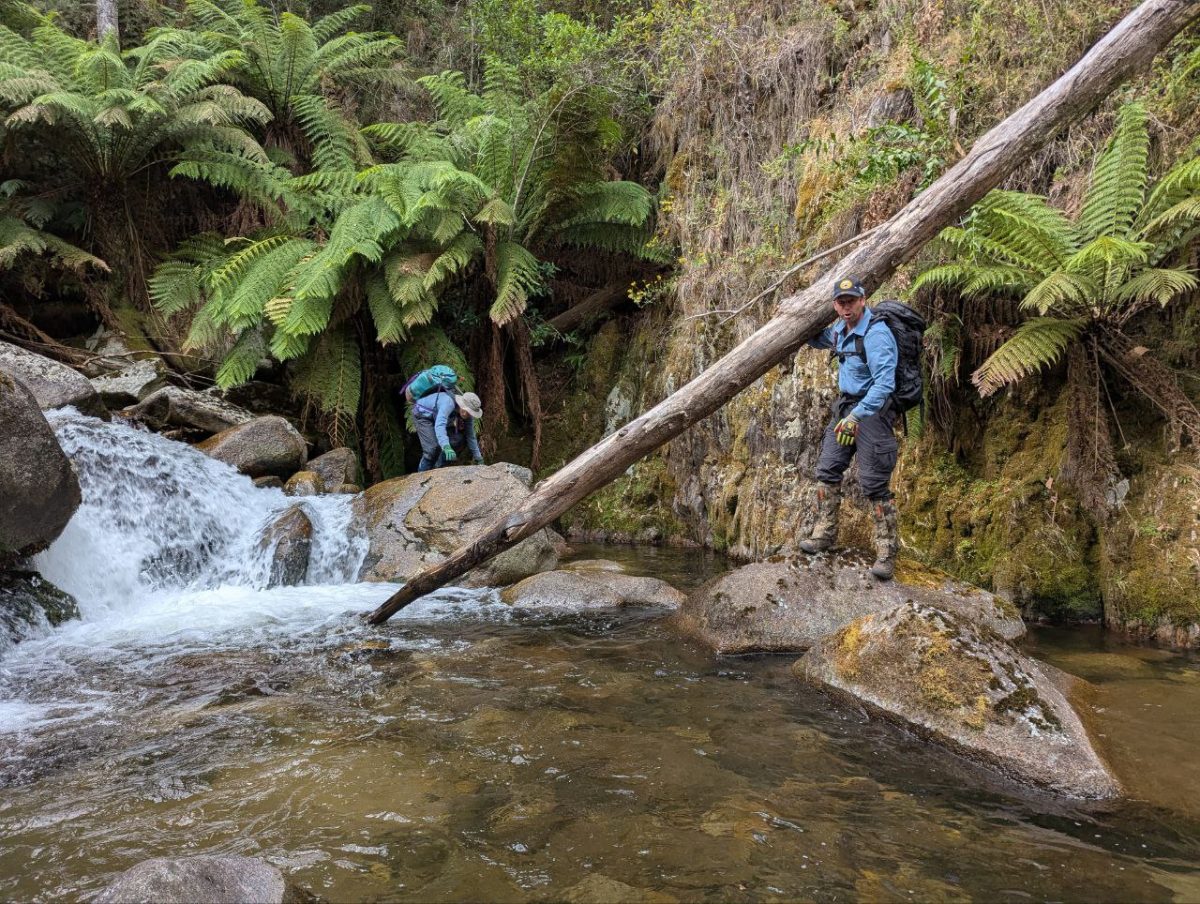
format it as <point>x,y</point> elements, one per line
<point>39,490</point>
<point>130,384</point>
<point>28,601</point>
<point>289,540</point>
<point>172,406</point>
<point>581,589</point>
<point>53,384</point>
<point>198,880</point>
<point>961,685</point>
<point>265,445</point>
<point>784,606</point>
<point>419,519</point>
<point>336,467</point>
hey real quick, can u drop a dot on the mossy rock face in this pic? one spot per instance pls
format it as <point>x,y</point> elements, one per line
<point>259,447</point>
<point>39,490</point>
<point>1151,567</point>
<point>583,589</point>
<point>963,686</point>
<point>27,601</point>
<point>417,520</point>
<point>788,605</point>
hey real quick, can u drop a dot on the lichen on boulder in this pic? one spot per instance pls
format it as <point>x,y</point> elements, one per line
<point>337,467</point>
<point>787,605</point>
<point>582,589</point>
<point>53,384</point>
<point>961,685</point>
<point>417,520</point>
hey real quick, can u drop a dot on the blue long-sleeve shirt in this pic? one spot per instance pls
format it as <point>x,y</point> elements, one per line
<point>873,379</point>
<point>440,407</point>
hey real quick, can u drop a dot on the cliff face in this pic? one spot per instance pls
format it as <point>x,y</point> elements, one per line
<point>800,125</point>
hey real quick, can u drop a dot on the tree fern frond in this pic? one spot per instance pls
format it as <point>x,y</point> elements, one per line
<point>241,362</point>
<point>330,376</point>
<point>1062,292</point>
<point>517,277</point>
<point>1158,285</point>
<point>1118,185</point>
<point>1036,344</point>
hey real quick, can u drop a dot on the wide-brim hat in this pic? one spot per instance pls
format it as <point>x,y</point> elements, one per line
<point>470,403</point>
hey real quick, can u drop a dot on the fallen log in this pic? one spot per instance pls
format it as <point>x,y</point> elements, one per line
<point>592,306</point>
<point>1128,48</point>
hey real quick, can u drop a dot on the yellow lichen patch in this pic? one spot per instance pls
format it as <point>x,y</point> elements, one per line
<point>849,642</point>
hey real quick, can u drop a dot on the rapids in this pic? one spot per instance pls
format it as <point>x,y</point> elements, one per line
<point>471,752</point>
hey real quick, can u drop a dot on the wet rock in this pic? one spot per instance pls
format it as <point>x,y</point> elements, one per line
<point>336,467</point>
<point>264,445</point>
<point>600,889</point>
<point>269,482</point>
<point>787,605</point>
<point>52,384</point>
<point>130,384</point>
<point>28,600</point>
<point>961,685</point>
<point>582,589</point>
<point>289,538</point>
<point>39,490</point>
<point>348,489</point>
<point>175,407</point>
<point>304,483</point>
<point>419,519</point>
<point>591,565</point>
<point>211,880</point>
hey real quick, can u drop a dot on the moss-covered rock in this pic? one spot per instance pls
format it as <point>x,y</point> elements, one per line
<point>1151,561</point>
<point>27,601</point>
<point>785,606</point>
<point>305,483</point>
<point>962,686</point>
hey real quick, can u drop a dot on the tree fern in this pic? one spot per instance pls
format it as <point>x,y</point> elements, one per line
<point>1118,184</point>
<point>1036,344</point>
<point>330,377</point>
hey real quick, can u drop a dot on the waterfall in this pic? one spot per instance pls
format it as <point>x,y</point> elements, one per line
<point>159,517</point>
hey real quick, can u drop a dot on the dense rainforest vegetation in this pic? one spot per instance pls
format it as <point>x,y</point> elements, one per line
<point>330,198</point>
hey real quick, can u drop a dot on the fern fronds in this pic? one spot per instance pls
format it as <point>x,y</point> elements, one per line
<point>1118,186</point>
<point>1036,344</point>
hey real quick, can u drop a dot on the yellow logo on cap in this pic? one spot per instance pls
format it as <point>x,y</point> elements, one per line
<point>846,284</point>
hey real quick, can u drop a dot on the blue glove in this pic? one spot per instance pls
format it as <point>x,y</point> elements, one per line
<point>448,453</point>
<point>846,430</point>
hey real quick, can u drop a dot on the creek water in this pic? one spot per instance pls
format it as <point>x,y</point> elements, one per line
<point>470,752</point>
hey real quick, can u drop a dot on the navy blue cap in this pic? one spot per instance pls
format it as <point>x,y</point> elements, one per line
<point>848,285</point>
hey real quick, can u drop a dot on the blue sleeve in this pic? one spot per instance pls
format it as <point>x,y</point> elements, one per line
<point>824,339</point>
<point>472,441</point>
<point>880,346</point>
<point>445,408</point>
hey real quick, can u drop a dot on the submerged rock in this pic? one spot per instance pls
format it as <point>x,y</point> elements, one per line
<point>199,880</point>
<point>786,606</point>
<point>963,686</point>
<point>39,490</point>
<point>52,383</point>
<point>304,483</point>
<point>594,588</point>
<point>130,384</point>
<point>336,467</point>
<point>289,538</point>
<point>265,445</point>
<point>27,600</point>
<point>175,407</point>
<point>419,519</point>
<point>270,482</point>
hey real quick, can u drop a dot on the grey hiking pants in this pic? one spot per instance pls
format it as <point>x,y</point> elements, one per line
<point>876,448</point>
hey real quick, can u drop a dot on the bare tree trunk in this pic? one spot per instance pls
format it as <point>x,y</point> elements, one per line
<point>106,19</point>
<point>1128,48</point>
<point>592,306</point>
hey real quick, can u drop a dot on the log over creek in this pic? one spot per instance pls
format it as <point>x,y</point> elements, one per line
<point>1124,51</point>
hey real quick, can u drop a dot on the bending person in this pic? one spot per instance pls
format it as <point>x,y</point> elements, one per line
<point>446,427</point>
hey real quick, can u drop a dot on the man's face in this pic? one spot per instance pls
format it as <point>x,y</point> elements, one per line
<point>849,309</point>
<point>463,413</point>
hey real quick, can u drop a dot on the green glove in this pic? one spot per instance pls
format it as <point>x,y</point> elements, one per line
<point>448,453</point>
<point>478,460</point>
<point>846,430</point>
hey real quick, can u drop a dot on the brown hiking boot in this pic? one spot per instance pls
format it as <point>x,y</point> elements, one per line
<point>887,539</point>
<point>824,535</point>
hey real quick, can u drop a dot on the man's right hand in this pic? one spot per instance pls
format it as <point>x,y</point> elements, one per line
<point>846,430</point>
<point>448,453</point>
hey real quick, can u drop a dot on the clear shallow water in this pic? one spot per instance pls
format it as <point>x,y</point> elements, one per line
<point>467,752</point>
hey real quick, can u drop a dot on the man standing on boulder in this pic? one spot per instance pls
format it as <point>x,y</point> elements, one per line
<point>863,422</point>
